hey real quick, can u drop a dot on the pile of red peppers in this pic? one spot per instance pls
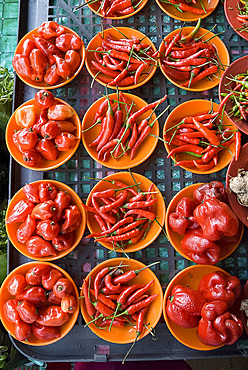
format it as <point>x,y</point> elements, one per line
<point>205,222</point>
<point>209,309</point>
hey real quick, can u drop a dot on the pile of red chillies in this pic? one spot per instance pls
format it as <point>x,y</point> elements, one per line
<point>47,219</point>
<point>49,55</point>
<point>189,60</point>
<point>208,308</point>
<point>42,301</point>
<point>121,62</point>
<point>206,223</point>
<point>123,214</point>
<point>115,8</point>
<point>111,300</point>
<point>183,6</point>
<point>121,131</point>
<point>202,136</point>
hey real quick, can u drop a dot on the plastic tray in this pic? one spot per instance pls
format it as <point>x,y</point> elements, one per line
<point>81,344</point>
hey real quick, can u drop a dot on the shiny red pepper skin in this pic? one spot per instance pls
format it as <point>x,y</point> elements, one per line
<point>47,191</point>
<point>45,333</point>
<point>62,288</point>
<point>27,311</point>
<point>65,141</point>
<point>48,149</point>
<point>63,241</point>
<point>218,326</point>
<point>68,41</point>
<point>69,304</point>
<point>22,331</point>
<point>216,219</point>
<point>50,278</point>
<point>44,99</point>
<point>214,189</point>
<point>49,130</point>
<point>179,220</point>
<point>27,138</point>
<point>34,274</point>
<point>199,249</point>
<point>184,306</point>
<point>52,316</point>
<point>51,77</point>
<point>38,60</point>
<point>50,29</point>
<point>38,247</point>
<point>36,295</point>
<point>26,229</point>
<point>27,46</point>
<point>220,286</point>
<point>10,311</point>
<point>61,201</point>
<point>63,68</point>
<point>40,121</point>
<point>16,284</point>
<point>31,192</point>
<point>20,211</point>
<point>32,157</point>
<point>47,229</point>
<point>44,211</point>
<point>73,60</point>
<point>47,48</point>
<point>72,218</point>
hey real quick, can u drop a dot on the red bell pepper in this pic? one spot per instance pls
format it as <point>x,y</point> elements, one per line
<point>214,189</point>
<point>184,306</point>
<point>34,274</point>
<point>52,316</point>
<point>179,220</point>
<point>199,249</point>
<point>39,247</point>
<point>50,29</point>
<point>61,201</point>
<point>63,241</point>
<point>216,219</point>
<point>26,229</point>
<point>221,287</point>
<point>47,229</point>
<point>68,41</point>
<point>218,326</point>
<point>72,218</point>
<point>27,311</point>
<point>22,331</point>
<point>31,192</point>
<point>10,311</point>
<point>16,284</point>
<point>45,333</point>
<point>35,294</point>
<point>47,191</point>
<point>44,210</point>
<point>50,278</point>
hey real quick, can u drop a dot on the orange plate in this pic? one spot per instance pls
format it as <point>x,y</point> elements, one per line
<point>187,109</point>
<point>159,208</point>
<point>115,33</point>
<point>128,333</point>
<point>175,238</point>
<point>61,82</point>
<point>143,152</point>
<point>45,165</point>
<point>12,227</point>
<point>187,16</point>
<point>190,277</point>
<point>239,66</point>
<point>95,6</point>
<point>5,296</point>
<point>222,53</point>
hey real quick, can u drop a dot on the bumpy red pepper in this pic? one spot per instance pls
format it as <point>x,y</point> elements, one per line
<point>50,29</point>
<point>179,220</point>
<point>65,141</point>
<point>38,60</point>
<point>52,316</point>
<point>10,311</point>
<point>68,41</point>
<point>32,157</point>
<point>44,98</point>
<point>47,191</point>
<point>26,229</point>
<point>50,278</point>
<point>27,311</point>
<point>44,210</point>
<point>216,219</point>
<point>45,333</point>
<point>72,219</point>
<point>184,306</point>
<point>20,211</point>
<point>49,130</point>
<point>38,247</point>
<point>63,241</point>
<point>218,326</point>
<point>16,284</point>
<point>48,149</point>
<point>221,287</point>
<point>73,59</point>
<point>61,201</point>
<point>31,192</point>
<point>47,48</point>
<point>34,274</point>
<point>199,249</point>
<point>22,331</point>
<point>214,189</point>
<point>62,288</point>
<point>47,229</point>
<point>36,295</point>
<point>27,138</point>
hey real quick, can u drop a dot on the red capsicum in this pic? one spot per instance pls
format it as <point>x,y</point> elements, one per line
<point>216,219</point>
<point>50,29</point>
<point>34,274</point>
<point>36,295</point>
<point>63,241</point>
<point>184,306</point>
<point>50,278</point>
<point>199,249</point>
<point>20,211</point>
<point>181,219</point>
<point>47,191</point>
<point>31,192</point>
<point>61,201</point>
<point>72,218</point>
<point>218,326</point>
<point>44,210</point>
<point>45,333</point>
<point>26,229</point>
<point>213,189</point>
<point>52,316</point>
<point>38,247</point>
<point>220,286</point>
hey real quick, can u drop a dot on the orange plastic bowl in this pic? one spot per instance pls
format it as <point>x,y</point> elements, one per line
<point>5,296</point>
<point>95,6</point>
<point>61,82</point>
<point>117,34</point>
<point>189,277</point>
<point>175,239</point>
<point>128,333</point>
<point>12,227</point>
<point>159,208</point>
<point>143,152</point>
<point>46,164</point>
<point>187,16</point>
<point>222,53</point>
<point>189,108</point>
